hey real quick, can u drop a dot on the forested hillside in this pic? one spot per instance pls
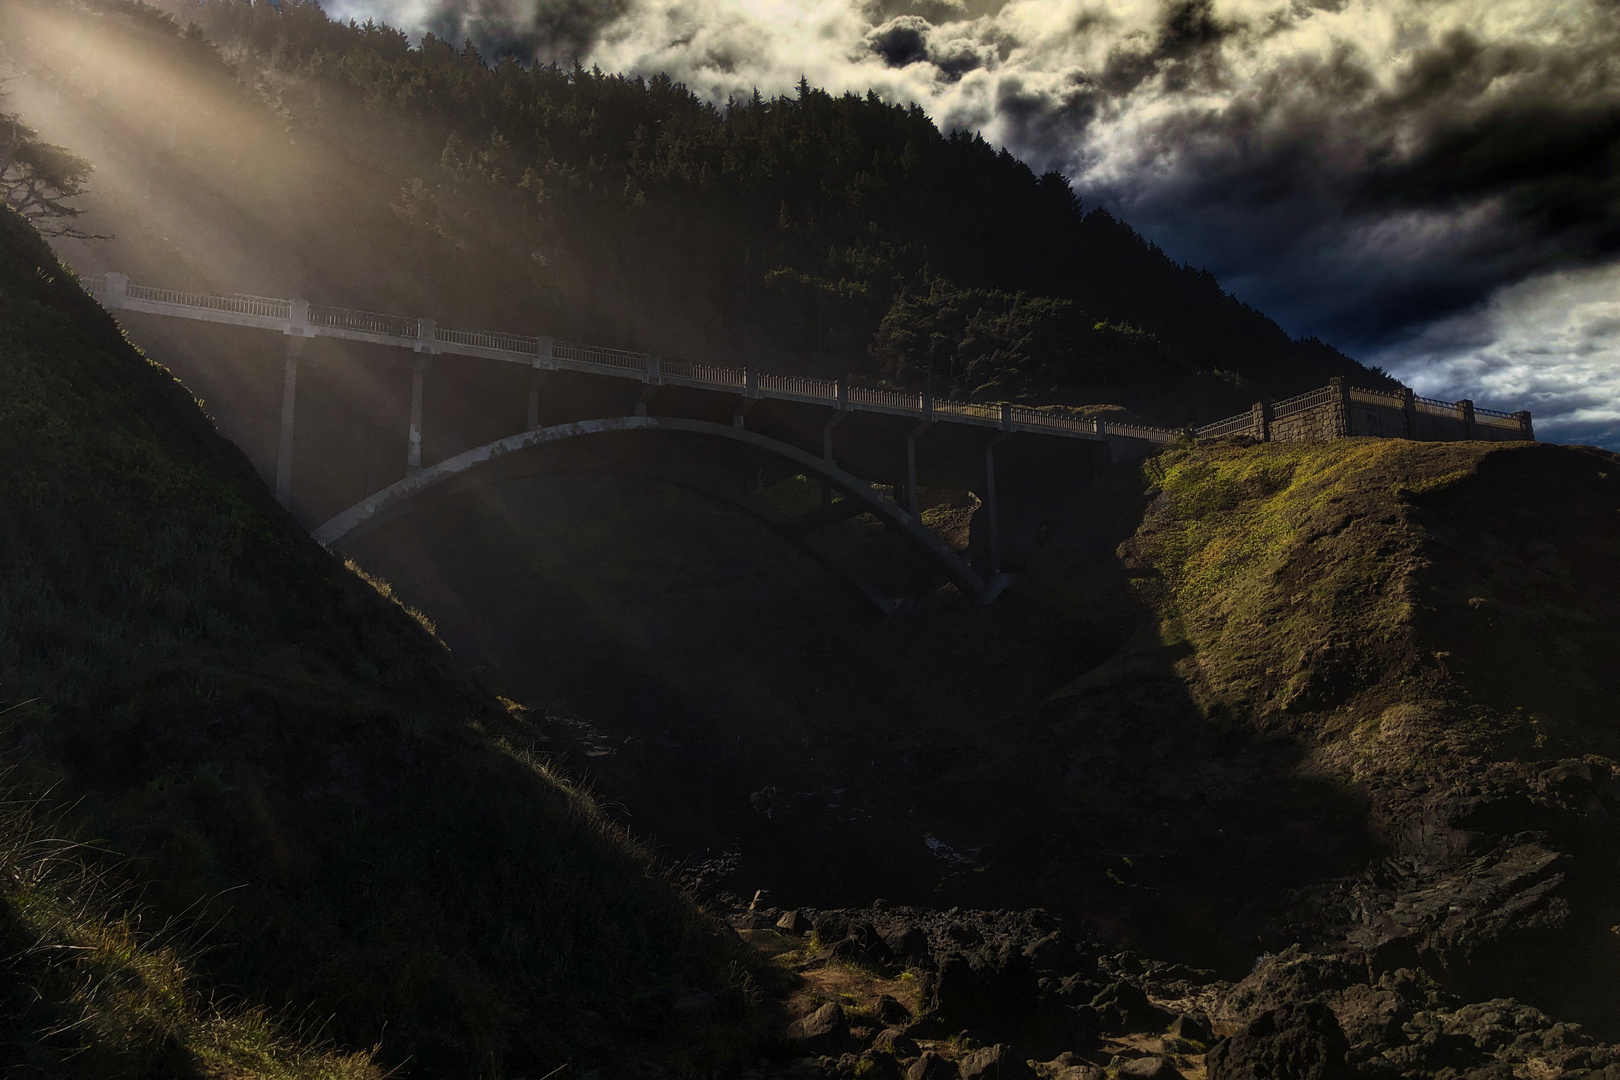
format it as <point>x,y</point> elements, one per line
<point>809,233</point>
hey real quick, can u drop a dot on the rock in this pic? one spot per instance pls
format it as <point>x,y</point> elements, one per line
<point>994,1063</point>
<point>930,1066</point>
<point>878,1063</point>
<point>896,1042</point>
<point>1054,953</point>
<point>1187,1029</point>
<point>1149,1068</point>
<point>1294,1042</point>
<point>793,923</point>
<point>907,942</point>
<point>822,1031</point>
<point>831,927</point>
<point>1123,1007</point>
<point>891,1012</point>
<point>1066,1066</point>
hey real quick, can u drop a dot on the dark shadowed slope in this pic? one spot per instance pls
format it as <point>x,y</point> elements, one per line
<point>291,761</point>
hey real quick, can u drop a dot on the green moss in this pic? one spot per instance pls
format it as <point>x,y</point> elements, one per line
<point>1289,568</point>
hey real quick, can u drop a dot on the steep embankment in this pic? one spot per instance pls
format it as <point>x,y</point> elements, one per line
<point>1405,651</point>
<point>288,759</point>
<point>1436,625</point>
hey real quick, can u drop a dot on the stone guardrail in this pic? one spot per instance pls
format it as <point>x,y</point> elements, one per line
<point>1340,411</point>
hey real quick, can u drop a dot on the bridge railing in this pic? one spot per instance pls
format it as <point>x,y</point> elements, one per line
<point>600,356</point>
<point>1232,425</point>
<point>885,399</point>
<point>489,339</point>
<point>798,387</point>
<point>719,377</point>
<point>1497,419</point>
<point>625,362</point>
<point>262,306</point>
<point>977,410</point>
<point>1141,431</point>
<point>365,322</point>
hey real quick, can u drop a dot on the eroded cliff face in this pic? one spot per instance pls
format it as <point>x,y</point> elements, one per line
<point>1436,625</point>
<point>1425,633</point>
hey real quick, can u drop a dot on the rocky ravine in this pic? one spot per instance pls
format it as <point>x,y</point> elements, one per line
<point>1349,706</point>
<point>932,995</point>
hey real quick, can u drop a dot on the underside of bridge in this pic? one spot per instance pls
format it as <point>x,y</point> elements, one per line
<point>340,421</point>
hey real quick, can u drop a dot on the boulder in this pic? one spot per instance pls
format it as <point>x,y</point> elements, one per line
<point>822,1032</point>
<point>1123,1006</point>
<point>907,942</point>
<point>792,923</point>
<point>1187,1029</point>
<point>1295,1042</point>
<point>891,1012</point>
<point>994,1063</point>
<point>878,1065</point>
<point>930,1066</point>
<point>1149,1068</point>
<point>831,927</point>
<point>1066,1066</point>
<point>896,1042</point>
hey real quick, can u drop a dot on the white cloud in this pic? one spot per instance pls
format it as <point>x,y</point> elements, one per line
<point>1356,168</point>
<point>1550,344</point>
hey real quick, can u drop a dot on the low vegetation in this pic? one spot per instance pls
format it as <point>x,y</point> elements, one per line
<point>288,760</point>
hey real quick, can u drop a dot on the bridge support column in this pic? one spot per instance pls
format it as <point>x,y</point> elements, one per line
<point>289,397</point>
<point>826,442</point>
<point>413,451</point>
<point>537,382</point>
<point>992,515</point>
<point>911,455</point>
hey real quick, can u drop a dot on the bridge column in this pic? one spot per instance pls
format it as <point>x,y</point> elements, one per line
<point>749,398</point>
<point>289,397</point>
<point>413,451</point>
<point>544,364</point>
<point>839,412</point>
<point>992,513</point>
<point>911,458</point>
<point>427,346</point>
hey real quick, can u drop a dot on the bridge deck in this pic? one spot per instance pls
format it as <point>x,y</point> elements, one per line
<point>300,319</point>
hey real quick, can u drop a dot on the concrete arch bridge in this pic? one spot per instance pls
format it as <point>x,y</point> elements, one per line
<point>464,387</point>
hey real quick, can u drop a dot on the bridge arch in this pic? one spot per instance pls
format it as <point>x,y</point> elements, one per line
<point>387,503</point>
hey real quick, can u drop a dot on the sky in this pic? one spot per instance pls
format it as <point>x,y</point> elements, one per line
<point>1431,185</point>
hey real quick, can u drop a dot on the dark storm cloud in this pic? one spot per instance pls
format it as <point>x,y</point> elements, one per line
<point>547,31</point>
<point>1351,197</point>
<point>1359,169</point>
<point>902,40</point>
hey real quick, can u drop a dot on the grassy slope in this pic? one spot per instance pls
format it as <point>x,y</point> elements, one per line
<point>1436,623</point>
<point>282,748</point>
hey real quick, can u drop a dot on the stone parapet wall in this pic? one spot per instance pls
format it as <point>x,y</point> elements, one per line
<point>1337,411</point>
